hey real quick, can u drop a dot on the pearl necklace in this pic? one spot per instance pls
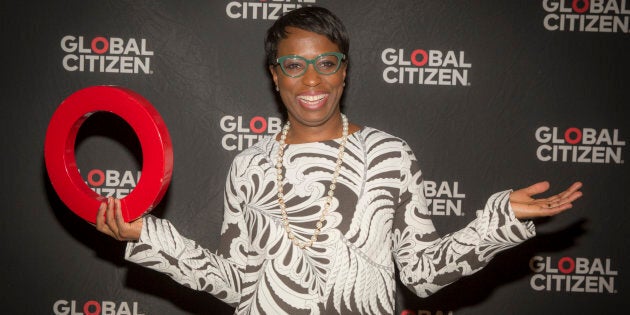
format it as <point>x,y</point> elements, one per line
<point>331,188</point>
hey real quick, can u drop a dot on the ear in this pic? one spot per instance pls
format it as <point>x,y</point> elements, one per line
<point>274,74</point>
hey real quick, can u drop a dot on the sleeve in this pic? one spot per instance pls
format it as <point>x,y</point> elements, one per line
<point>163,249</point>
<point>428,262</point>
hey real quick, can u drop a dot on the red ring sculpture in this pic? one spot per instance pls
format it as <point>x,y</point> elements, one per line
<point>157,150</point>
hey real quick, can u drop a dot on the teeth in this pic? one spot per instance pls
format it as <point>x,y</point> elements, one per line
<point>312,98</point>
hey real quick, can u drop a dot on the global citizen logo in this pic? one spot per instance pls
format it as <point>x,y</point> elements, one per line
<point>263,9</point>
<point>242,132</point>
<point>63,307</point>
<point>568,274</point>
<point>112,183</point>
<point>425,67</point>
<point>443,198</point>
<point>106,55</point>
<point>579,145</point>
<point>599,16</point>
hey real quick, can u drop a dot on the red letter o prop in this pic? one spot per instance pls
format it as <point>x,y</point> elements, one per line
<point>157,150</point>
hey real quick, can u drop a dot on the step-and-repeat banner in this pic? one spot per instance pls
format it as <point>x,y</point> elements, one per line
<point>490,95</point>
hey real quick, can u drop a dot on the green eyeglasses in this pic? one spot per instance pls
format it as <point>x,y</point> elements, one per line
<point>295,66</point>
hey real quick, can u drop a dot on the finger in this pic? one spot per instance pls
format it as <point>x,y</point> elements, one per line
<point>120,221</point>
<point>571,190</point>
<point>524,195</point>
<point>100,215</point>
<point>537,188</point>
<point>100,220</point>
<point>109,217</point>
<point>572,197</point>
<point>567,196</point>
<point>574,188</point>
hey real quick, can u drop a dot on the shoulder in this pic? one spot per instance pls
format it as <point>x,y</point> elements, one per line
<point>374,137</point>
<point>257,153</point>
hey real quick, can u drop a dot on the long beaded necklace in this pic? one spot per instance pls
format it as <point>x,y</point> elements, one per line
<point>331,188</point>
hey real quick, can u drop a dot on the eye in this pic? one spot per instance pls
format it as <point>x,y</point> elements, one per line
<point>293,64</point>
<point>327,63</point>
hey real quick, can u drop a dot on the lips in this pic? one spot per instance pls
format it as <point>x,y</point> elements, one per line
<point>312,101</point>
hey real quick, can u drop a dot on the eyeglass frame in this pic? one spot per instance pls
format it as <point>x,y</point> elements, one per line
<point>340,56</point>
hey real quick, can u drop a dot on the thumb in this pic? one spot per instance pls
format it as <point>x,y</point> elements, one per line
<point>537,188</point>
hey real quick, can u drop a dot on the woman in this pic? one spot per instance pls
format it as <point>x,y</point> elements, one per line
<point>317,218</point>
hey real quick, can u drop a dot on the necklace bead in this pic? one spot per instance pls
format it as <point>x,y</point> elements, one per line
<point>331,189</point>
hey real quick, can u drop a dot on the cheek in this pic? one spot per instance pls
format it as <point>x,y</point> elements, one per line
<point>286,82</point>
<point>339,78</point>
<point>336,82</point>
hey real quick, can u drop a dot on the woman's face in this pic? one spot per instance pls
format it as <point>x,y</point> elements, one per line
<point>312,100</point>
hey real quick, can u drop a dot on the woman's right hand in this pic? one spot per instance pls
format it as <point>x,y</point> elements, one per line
<point>109,220</point>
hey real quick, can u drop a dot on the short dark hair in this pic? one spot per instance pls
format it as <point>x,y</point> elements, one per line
<point>313,19</point>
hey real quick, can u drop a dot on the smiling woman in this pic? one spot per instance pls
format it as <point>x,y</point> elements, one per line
<point>310,97</point>
<point>318,217</point>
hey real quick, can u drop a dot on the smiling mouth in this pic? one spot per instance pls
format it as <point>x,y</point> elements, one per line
<point>312,100</point>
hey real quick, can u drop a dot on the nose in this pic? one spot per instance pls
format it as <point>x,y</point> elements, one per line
<point>311,77</point>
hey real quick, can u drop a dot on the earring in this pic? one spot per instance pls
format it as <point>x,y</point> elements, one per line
<point>277,89</point>
<point>344,83</point>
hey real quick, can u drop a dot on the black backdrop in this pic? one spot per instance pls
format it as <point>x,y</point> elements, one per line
<point>505,85</point>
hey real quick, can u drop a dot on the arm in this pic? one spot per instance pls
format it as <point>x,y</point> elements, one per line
<point>428,262</point>
<point>157,245</point>
<point>163,249</point>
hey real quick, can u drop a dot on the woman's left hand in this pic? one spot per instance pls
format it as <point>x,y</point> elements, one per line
<point>526,207</point>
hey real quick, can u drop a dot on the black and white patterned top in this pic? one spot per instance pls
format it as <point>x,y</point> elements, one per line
<point>378,221</point>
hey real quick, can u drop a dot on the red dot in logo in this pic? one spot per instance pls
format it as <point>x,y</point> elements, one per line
<point>584,8</point>
<point>101,178</point>
<point>88,304</point>
<point>95,42</point>
<point>263,124</point>
<point>566,260</point>
<point>414,57</point>
<point>573,131</point>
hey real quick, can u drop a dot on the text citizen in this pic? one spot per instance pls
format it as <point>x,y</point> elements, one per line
<point>569,274</point>
<point>108,55</point>
<point>263,10</point>
<point>241,134</point>
<point>586,145</point>
<point>432,67</point>
<point>600,16</point>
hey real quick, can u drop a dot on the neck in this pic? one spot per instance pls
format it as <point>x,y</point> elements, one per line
<point>300,133</point>
<point>312,134</point>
